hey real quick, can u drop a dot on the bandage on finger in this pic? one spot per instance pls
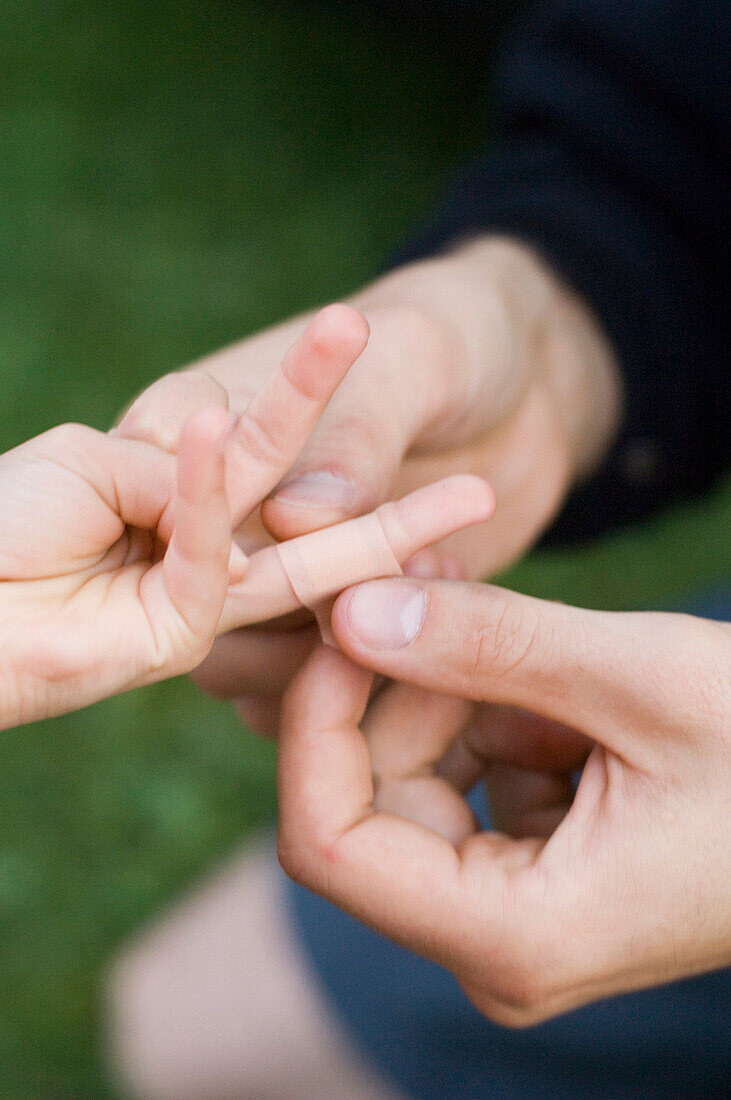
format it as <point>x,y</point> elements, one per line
<point>311,570</point>
<point>320,565</point>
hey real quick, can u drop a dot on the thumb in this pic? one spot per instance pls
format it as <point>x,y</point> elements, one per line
<point>586,669</point>
<point>350,464</point>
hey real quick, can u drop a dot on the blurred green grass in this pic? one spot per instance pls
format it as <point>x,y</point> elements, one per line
<point>172,177</point>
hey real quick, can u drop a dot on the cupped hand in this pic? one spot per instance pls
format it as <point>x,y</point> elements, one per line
<point>479,361</point>
<point>90,605</point>
<point>620,883</point>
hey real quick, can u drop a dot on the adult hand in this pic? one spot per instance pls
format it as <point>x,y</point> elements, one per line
<point>623,884</point>
<point>479,361</point>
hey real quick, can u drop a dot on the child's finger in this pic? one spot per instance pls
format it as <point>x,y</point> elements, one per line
<point>432,513</point>
<point>331,559</point>
<point>280,418</point>
<point>196,565</point>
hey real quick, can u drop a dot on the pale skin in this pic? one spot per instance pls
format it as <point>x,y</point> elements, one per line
<point>578,897</point>
<point>89,606</point>
<point>479,361</point>
<point>117,565</point>
<point>622,885</point>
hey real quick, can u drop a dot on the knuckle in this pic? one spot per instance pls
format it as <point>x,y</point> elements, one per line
<point>524,992</point>
<point>521,989</point>
<point>71,436</point>
<point>306,855</point>
<point>257,439</point>
<point>512,1016</point>
<point>505,639</point>
<point>516,992</point>
<point>293,856</point>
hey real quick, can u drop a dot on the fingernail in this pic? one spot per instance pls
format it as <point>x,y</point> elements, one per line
<point>317,489</point>
<point>387,614</point>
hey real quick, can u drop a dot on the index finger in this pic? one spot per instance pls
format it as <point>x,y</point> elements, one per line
<point>279,419</point>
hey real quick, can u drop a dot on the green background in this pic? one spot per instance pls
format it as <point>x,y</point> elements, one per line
<point>172,177</point>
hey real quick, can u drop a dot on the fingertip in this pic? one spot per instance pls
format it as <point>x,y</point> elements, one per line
<point>261,715</point>
<point>327,349</point>
<point>159,413</point>
<point>310,695</point>
<point>426,564</point>
<point>339,619</point>
<point>201,466</point>
<point>208,427</point>
<point>322,355</point>
<point>454,570</point>
<point>432,564</point>
<point>339,325</point>
<point>474,496</point>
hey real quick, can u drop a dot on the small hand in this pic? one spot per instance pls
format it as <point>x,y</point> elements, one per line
<point>622,883</point>
<point>90,602</point>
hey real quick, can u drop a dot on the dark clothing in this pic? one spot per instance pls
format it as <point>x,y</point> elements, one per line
<point>611,159</point>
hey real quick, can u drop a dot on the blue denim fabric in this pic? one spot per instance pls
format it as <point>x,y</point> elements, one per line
<point>417,1027</point>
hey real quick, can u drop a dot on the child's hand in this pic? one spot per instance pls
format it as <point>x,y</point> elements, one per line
<point>89,606</point>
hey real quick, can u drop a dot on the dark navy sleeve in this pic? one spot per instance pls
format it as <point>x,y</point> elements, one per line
<point>610,159</point>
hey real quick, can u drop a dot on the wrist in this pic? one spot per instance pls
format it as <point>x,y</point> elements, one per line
<point>543,340</point>
<point>491,321</point>
<point>582,376</point>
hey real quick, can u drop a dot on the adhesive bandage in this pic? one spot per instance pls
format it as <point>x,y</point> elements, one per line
<point>311,570</point>
<point>322,564</point>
